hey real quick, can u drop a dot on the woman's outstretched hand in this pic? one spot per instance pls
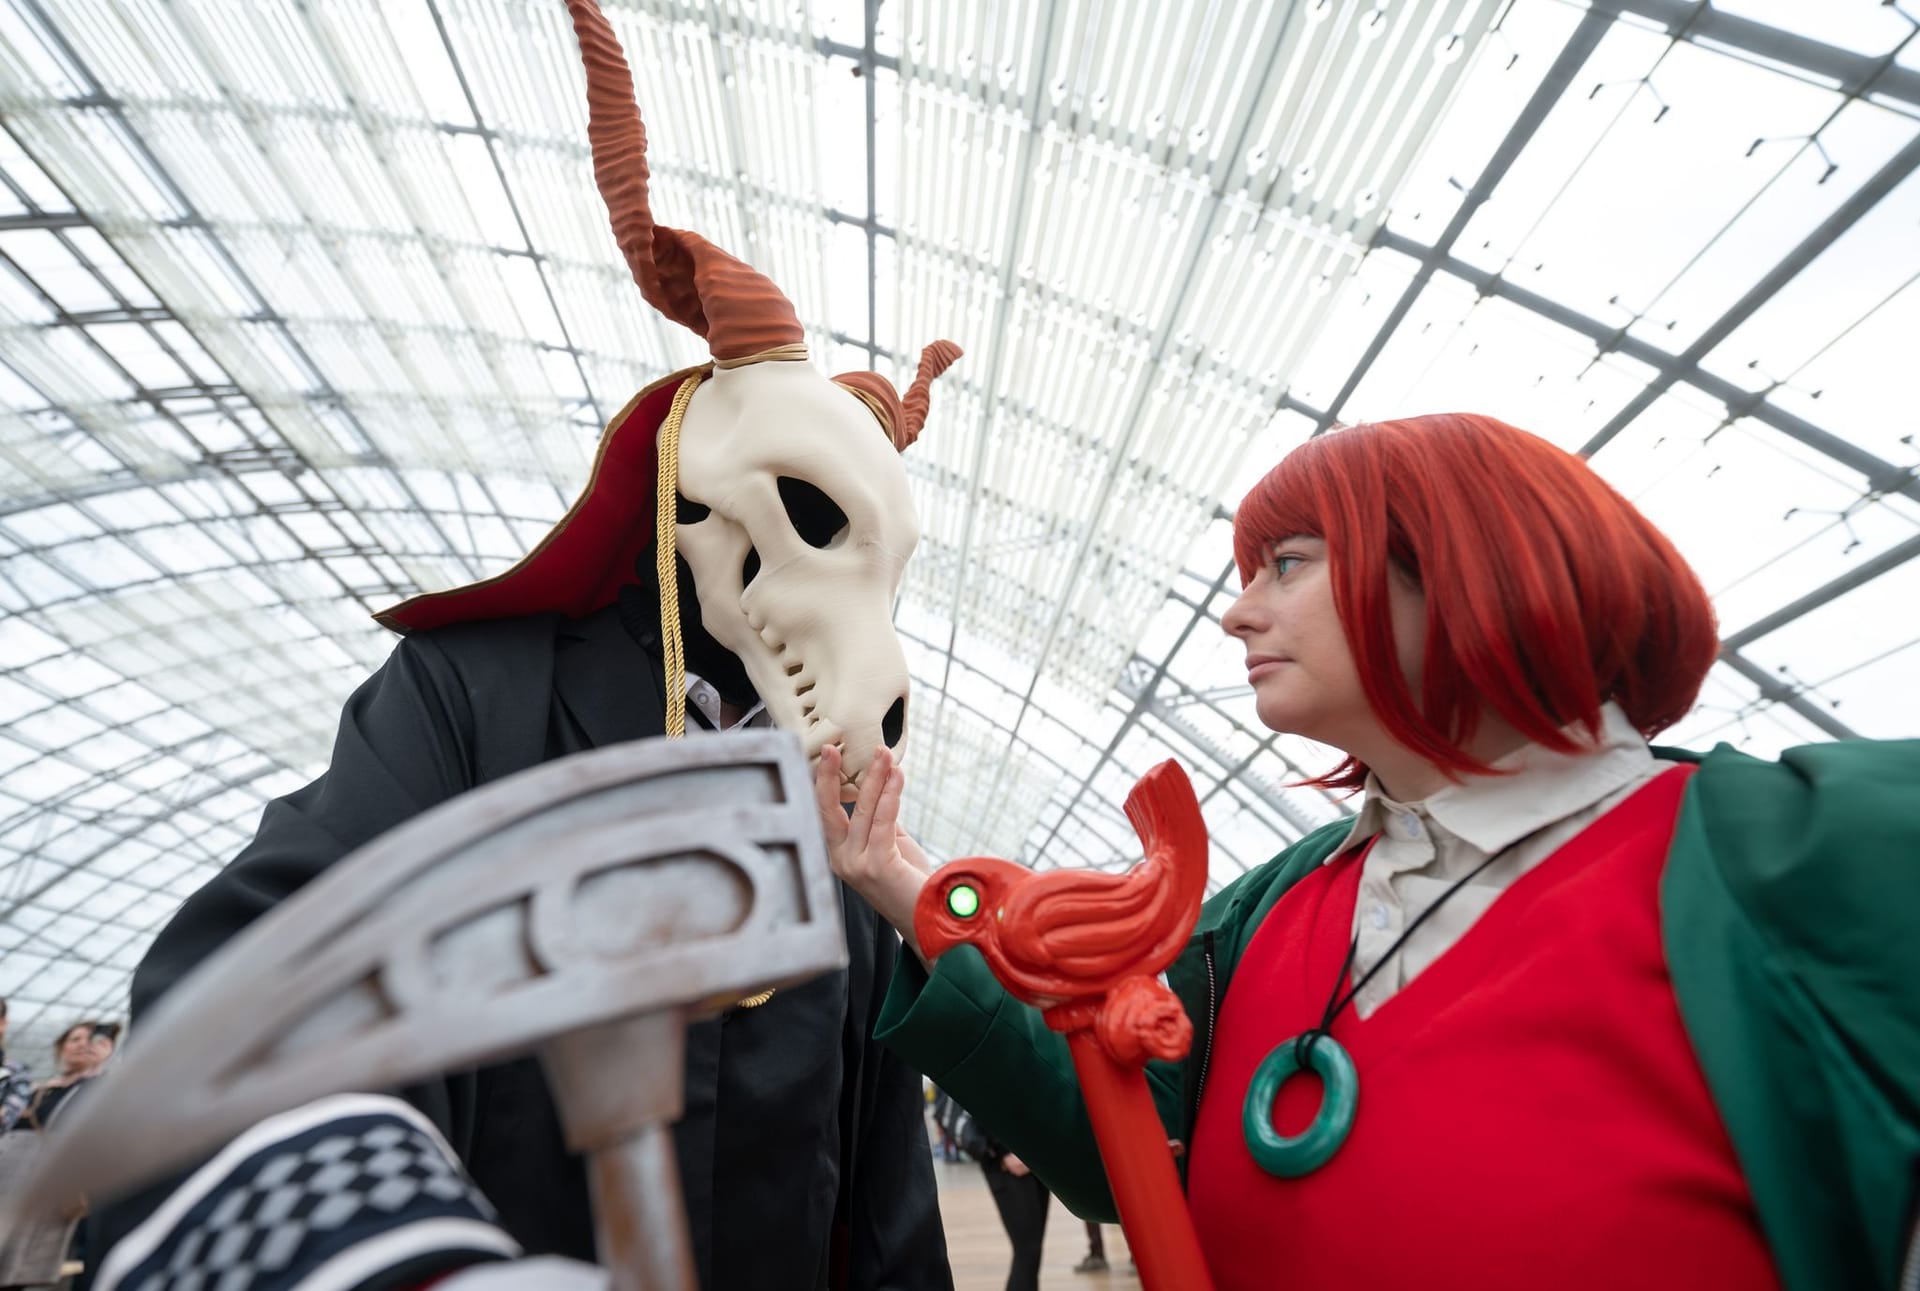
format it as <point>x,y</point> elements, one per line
<point>868,849</point>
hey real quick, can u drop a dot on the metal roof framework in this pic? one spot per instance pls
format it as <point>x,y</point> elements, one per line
<point>304,308</point>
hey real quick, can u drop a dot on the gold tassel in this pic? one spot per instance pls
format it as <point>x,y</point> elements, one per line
<point>666,518</point>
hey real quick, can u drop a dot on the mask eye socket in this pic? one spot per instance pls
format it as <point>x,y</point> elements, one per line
<point>750,567</point>
<point>816,517</point>
<point>687,511</point>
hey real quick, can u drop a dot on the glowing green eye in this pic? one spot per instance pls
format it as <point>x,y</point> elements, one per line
<point>963,901</point>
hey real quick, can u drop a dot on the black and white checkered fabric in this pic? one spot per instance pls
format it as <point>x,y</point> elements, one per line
<point>351,1193</point>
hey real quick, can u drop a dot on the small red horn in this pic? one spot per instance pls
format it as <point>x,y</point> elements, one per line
<point>934,360</point>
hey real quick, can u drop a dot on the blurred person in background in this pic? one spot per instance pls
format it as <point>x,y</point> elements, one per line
<point>1020,1197</point>
<point>16,1084</point>
<point>81,1051</point>
<point>945,1111</point>
<point>78,1061</point>
<point>1095,1260</point>
<point>106,1038</point>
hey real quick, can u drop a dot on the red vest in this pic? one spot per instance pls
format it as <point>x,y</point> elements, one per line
<point>1530,1111</point>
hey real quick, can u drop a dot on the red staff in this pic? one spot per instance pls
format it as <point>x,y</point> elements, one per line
<point>1085,948</point>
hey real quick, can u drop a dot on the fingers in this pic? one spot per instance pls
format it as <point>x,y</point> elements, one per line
<point>886,815</point>
<point>826,794</point>
<point>865,843</point>
<point>911,853</point>
<point>872,784</point>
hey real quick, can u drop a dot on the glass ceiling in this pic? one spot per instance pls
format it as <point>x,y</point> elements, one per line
<point>306,307</point>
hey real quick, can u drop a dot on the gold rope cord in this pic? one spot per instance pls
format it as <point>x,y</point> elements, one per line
<point>794,352</point>
<point>666,517</point>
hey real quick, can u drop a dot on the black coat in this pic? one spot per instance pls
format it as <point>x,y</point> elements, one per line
<point>819,1161</point>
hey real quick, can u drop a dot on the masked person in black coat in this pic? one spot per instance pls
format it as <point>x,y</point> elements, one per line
<point>803,1155</point>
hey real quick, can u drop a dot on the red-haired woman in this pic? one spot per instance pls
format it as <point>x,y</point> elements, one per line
<point>1583,1012</point>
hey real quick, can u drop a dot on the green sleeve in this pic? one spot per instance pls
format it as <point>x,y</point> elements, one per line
<point>1789,906</point>
<point>996,1058</point>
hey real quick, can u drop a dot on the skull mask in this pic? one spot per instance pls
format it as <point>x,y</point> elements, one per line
<point>797,528</point>
<point>794,519</point>
<point>794,516</point>
<point>797,520</point>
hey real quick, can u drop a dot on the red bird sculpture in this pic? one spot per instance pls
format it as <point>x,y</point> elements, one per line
<point>1086,948</point>
<point>1082,945</point>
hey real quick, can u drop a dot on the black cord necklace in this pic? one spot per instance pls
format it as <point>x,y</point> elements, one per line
<point>1290,1157</point>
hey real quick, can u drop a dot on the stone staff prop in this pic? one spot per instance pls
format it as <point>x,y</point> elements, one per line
<point>585,910</point>
<point>1086,948</point>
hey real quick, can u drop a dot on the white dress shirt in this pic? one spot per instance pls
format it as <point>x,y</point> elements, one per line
<point>702,695</point>
<point>1424,846</point>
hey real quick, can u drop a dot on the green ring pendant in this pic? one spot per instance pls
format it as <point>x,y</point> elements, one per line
<point>1290,1158</point>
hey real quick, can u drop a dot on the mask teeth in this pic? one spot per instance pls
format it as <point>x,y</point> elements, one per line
<point>796,670</point>
<point>802,687</point>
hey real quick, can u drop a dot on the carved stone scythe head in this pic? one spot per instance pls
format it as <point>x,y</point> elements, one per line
<point>560,910</point>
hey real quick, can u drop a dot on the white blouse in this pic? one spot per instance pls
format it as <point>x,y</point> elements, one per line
<point>1425,846</point>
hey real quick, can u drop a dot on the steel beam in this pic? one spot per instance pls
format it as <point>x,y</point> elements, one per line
<point>192,218</point>
<point>1864,572</point>
<point>1176,721</point>
<point>996,353</point>
<point>1858,203</point>
<point>1572,57</point>
<point>1236,134</point>
<point>1853,74</point>
<point>1774,690</point>
<point>1881,475</point>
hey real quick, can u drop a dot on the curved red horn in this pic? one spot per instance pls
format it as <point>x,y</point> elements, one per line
<point>685,277</point>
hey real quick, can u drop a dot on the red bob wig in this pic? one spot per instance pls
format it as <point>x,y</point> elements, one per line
<point>1547,593</point>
